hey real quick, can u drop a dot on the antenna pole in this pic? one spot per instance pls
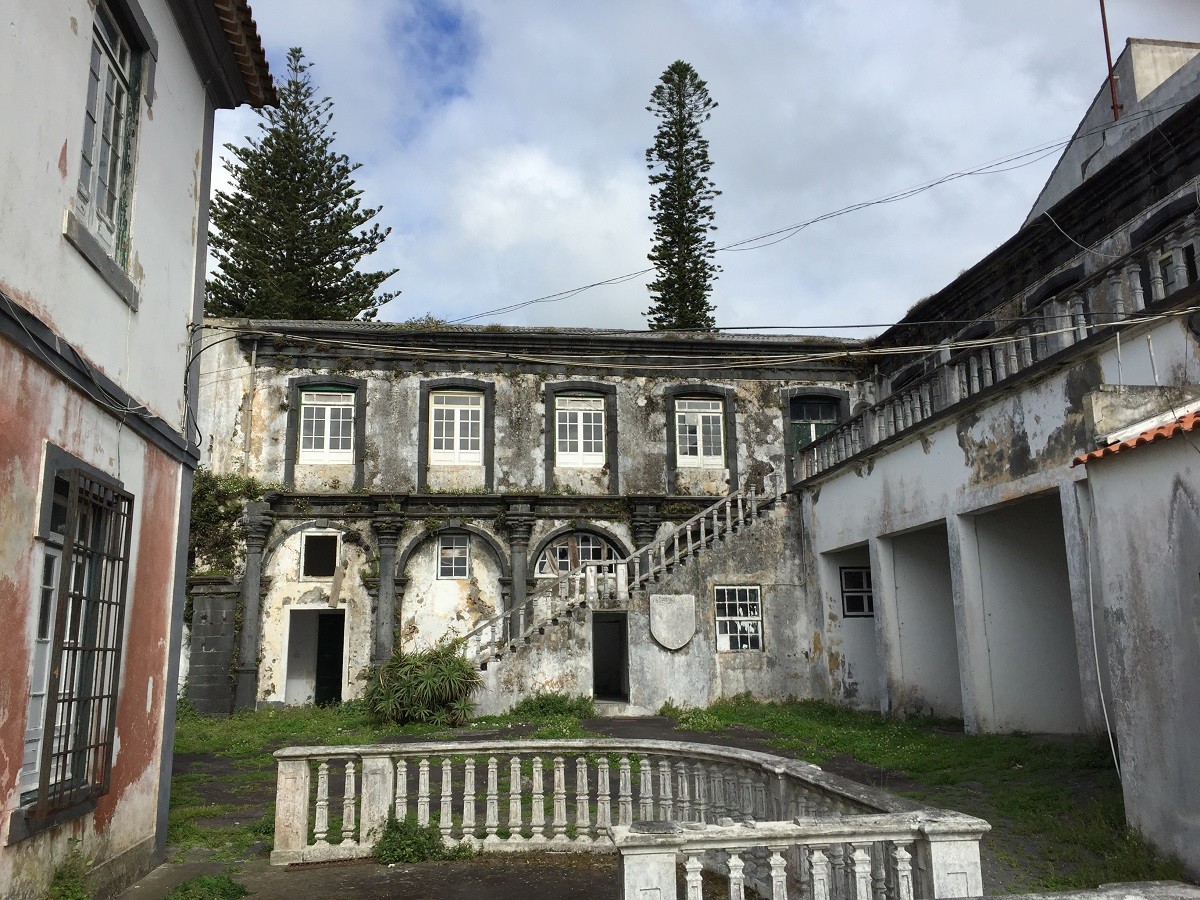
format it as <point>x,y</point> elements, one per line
<point>1112,79</point>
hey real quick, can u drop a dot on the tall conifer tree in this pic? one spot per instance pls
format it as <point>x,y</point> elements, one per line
<point>681,208</point>
<point>290,233</point>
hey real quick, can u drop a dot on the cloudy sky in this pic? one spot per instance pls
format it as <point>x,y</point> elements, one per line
<point>505,141</point>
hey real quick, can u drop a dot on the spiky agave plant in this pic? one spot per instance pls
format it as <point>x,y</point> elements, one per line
<point>430,686</point>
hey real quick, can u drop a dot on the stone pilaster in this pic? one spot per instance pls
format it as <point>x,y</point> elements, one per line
<point>384,627</point>
<point>519,522</point>
<point>256,527</point>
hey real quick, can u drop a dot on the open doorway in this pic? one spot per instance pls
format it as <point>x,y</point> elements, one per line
<point>610,656</point>
<point>316,655</point>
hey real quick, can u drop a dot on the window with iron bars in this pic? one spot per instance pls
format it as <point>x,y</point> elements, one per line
<point>77,654</point>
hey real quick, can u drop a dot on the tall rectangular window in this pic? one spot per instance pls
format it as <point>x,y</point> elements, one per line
<point>454,556</point>
<point>326,427</point>
<point>858,597</point>
<point>812,417</point>
<point>108,133</point>
<point>700,434</point>
<point>739,618</point>
<point>580,431</point>
<point>319,555</point>
<point>455,429</point>
<point>77,649</point>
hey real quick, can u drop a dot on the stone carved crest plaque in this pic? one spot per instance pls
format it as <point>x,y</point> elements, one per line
<point>672,619</point>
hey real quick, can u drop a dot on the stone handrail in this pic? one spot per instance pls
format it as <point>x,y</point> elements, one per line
<point>529,794</point>
<point>1104,299</point>
<point>894,856</point>
<point>588,582</point>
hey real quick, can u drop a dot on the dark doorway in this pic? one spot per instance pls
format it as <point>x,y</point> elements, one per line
<point>610,656</point>
<point>331,629</point>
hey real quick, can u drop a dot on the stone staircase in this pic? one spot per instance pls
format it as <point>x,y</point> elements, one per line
<point>557,603</point>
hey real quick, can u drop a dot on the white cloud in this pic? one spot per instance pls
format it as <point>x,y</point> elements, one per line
<point>505,141</point>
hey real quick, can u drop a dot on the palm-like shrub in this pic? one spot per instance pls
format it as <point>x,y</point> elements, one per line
<point>431,687</point>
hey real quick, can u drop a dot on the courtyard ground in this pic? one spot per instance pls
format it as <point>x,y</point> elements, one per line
<point>1054,803</point>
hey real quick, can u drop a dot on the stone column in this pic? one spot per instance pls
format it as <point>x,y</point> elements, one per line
<point>384,628</point>
<point>520,525</point>
<point>256,527</point>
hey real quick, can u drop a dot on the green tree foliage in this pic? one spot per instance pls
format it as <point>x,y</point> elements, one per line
<point>681,208</point>
<point>290,234</point>
<point>430,687</point>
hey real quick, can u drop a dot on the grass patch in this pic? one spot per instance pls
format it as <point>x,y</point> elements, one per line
<point>209,887</point>
<point>557,716</point>
<point>1055,805</point>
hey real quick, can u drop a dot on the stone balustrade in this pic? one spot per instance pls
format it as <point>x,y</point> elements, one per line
<point>589,583</point>
<point>1127,288</point>
<point>333,802</point>
<point>893,856</point>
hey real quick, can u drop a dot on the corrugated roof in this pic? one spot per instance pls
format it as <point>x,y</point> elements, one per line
<point>1182,425</point>
<point>237,21</point>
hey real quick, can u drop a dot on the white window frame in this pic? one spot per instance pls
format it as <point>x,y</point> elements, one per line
<point>455,428</point>
<point>337,553</point>
<point>863,593</point>
<point>700,433</point>
<point>808,428</point>
<point>35,726</point>
<point>739,617</point>
<point>320,412</point>
<point>579,432</point>
<point>566,553</point>
<point>454,557</point>
<point>109,126</point>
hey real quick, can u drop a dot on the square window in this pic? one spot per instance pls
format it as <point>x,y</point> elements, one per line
<point>858,598</point>
<point>700,434</point>
<point>454,556</point>
<point>739,618</point>
<point>326,428</point>
<point>455,429</point>
<point>319,556</point>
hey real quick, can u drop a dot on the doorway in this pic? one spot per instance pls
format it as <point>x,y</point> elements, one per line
<point>610,656</point>
<point>316,654</point>
<point>331,629</point>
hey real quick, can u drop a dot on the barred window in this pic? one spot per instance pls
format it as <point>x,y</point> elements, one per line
<point>580,431</point>
<point>454,556</point>
<point>456,429</point>
<point>739,618</point>
<point>326,427</point>
<point>858,597</point>
<point>700,434</point>
<point>77,652</point>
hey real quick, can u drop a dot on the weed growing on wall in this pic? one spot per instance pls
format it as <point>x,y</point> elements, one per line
<point>214,546</point>
<point>70,880</point>
<point>431,687</point>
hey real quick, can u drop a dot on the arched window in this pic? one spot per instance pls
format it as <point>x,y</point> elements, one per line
<point>569,552</point>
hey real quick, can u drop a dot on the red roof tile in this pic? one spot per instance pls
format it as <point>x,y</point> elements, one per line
<point>1186,423</point>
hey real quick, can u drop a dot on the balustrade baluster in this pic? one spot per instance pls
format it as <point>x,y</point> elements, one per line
<point>841,886</point>
<point>860,871</point>
<point>728,516</point>
<point>1010,354</point>
<point>645,789</point>
<point>716,525</point>
<point>537,812</point>
<point>925,395</point>
<point>675,541</point>
<point>350,803</point>
<point>973,367</point>
<point>753,503</point>
<point>879,879</point>
<point>737,881</point>
<point>717,793</point>
<point>902,867</point>
<point>741,510</point>
<point>401,789</point>
<point>985,362</point>
<point>583,818</point>
<point>1158,288</point>
<point>468,820</point>
<point>321,819</point>
<point>423,793</point>
<point>1000,356</point>
<point>624,793</point>
<point>491,820</point>
<point>695,883</point>
<point>603,796</point>
<point>1116,298</point>
<point>703,539</point>
<point>445,819</point>
<point>747,794</point>
<point>558,830</point>
<point>662,557</point>
<point>760,800</point>
<point>701,790</point>
<point>691,549</point>
<point>683,798</point>
<point>1137,296</point>
<point>778,874</point>
<point>514,796</point>
<point>906,409</point>
<point>666,806</point>
<point>1079,317</point>
<point>1178,262</point>
<point>822,876</point>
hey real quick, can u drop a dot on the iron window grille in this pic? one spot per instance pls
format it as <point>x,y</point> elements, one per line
<point>454,556</point>
<point>739,618</point>
<point>700,434</point>
<point>88,614</point>
<point>858,598</point>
